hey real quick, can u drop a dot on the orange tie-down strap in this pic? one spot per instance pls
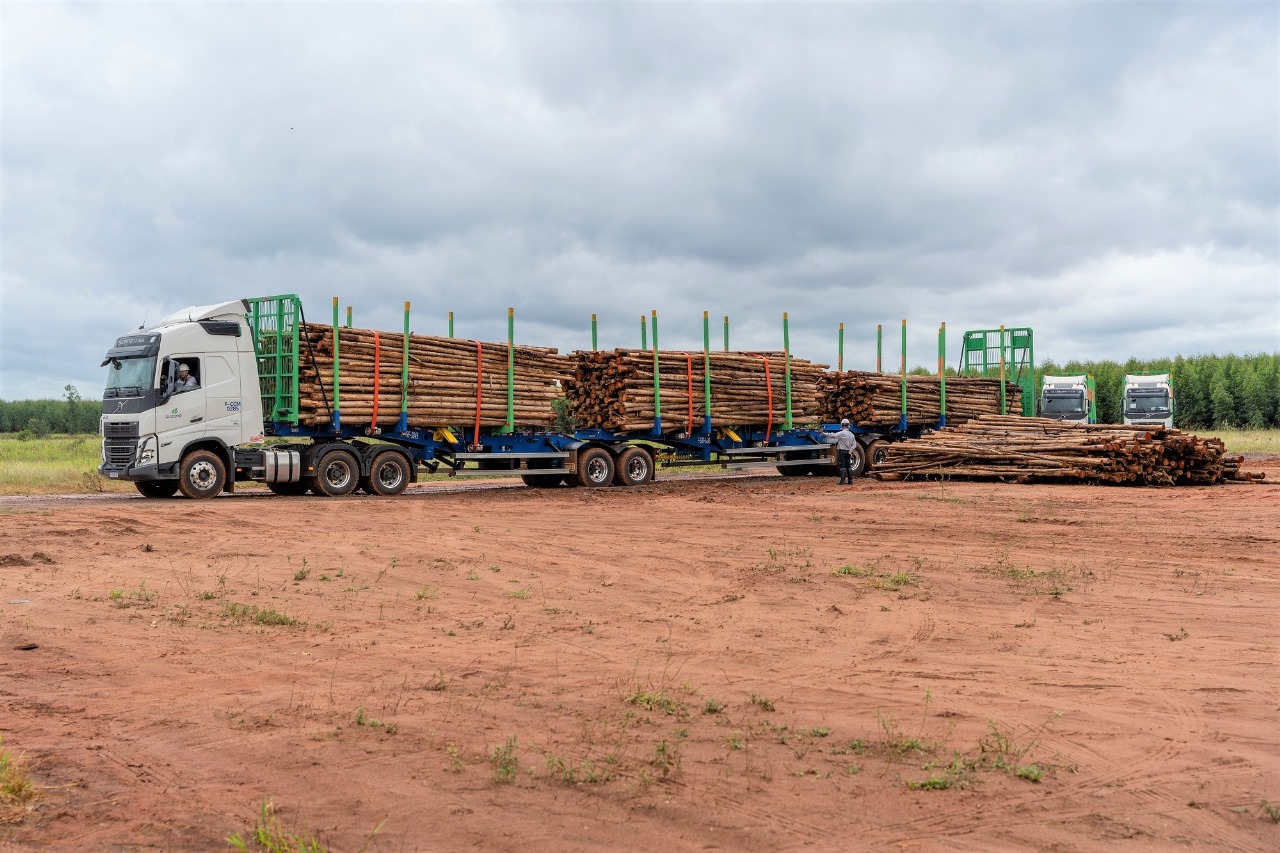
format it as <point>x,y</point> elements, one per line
<point>768,386</point>
<point>377,379</point>
<point>689,371</point>
<point>479,389</point>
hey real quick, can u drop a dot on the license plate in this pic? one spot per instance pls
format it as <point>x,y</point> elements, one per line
<point>114,474</point>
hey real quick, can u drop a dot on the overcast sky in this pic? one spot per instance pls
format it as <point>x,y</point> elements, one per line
<point>1107,173</point>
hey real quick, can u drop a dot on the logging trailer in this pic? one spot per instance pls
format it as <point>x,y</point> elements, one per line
<point>245,357</point>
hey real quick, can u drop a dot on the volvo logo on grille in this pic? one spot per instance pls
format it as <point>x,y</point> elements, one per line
<point>120,406</point>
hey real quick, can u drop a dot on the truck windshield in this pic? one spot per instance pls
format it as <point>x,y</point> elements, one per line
<point>129,377</point>
<point>1071,404</point>
<point>1147,403</point>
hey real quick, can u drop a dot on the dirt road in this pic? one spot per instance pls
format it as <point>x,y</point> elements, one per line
<point>751,664</point>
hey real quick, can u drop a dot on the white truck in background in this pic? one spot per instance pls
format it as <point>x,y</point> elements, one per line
<point>1148,399</point>
<point>1070,399</point>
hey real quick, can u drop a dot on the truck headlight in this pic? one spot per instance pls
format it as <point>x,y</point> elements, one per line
<point>147,451</point>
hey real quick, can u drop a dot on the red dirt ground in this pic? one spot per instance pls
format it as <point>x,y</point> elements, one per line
<point>679,667</point>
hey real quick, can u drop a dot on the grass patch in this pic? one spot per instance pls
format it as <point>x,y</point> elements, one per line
<point>15,783</point>
<point>505,761</point>
<point>1246,440</point>
<point>268,835</point>
<point>656,701</point>
<point>259,616</point>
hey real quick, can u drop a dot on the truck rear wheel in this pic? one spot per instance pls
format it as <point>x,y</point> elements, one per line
<point>595,467</point>
<point>635,467</point>
<point>388,476</point>
<point>338,474</point>
<point>202,474</point>
<point>157,488</point>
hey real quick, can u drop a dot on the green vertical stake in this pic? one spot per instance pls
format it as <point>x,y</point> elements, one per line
<point>511,371</point>
<point>404,373</point>
<point>337,409</point>
<point>706,371</point>
<point>786,353</point>
<point>904,372</point>
<point>644,335</point>
<point>348,316</point>
<point>840,351</point>
<point>451,324</point>
<point>657,384</point>
<point>726,332</point>
<point>879,346</point>
<point>1004,405</point>
<point>595,341</point>
<point>942,374</point>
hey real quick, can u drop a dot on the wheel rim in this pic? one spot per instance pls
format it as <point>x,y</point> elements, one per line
<point>337,474</point>
<point>637,468</point>
<point>389,475</point>
<point>203,476</point>
<point>597,470</point>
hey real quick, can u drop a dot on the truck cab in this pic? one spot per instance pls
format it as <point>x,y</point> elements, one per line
<point>1148,399</point>
<point>151,421</point>
<point>1070,399</point>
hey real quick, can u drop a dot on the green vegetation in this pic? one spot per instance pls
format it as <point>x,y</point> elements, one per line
<point>56,464</point>
<point>259,616</point>
<point>505,762</point>
<point>269,836</point>
<point>15,784</point>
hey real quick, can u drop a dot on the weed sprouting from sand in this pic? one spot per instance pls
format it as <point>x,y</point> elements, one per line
<point>15,783</point>
<point>505,762</point>
<point>268,835</point>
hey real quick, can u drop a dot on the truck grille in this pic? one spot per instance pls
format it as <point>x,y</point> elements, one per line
<point>120,454</point>
<point>120,429</point>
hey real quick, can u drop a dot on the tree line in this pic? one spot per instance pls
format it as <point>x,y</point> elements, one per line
<point>38,418</point>
<point>1210,392</point>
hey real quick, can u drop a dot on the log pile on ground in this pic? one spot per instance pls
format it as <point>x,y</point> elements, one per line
<point>868,398</point>
<point>443,380</point>
<point>614,390</point>
<point>1020,450</point>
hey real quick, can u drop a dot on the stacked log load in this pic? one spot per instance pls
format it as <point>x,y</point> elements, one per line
<point>868,399</point>
<point>442,384</point>
<point>1043,450</point>
<point>614,389</point>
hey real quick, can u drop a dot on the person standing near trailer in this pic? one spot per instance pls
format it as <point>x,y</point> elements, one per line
<point>845,443</point>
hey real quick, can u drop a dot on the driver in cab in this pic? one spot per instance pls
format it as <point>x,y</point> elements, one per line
<point>185,380</point>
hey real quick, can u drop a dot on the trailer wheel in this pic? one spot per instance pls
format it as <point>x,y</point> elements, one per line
<point>389,475</point>
<point>157,488</point>
<point>202,474</point>
<point>857,460</point>
<point>877,452</point>
<point>289,490</point>
<point>338,474</point>
<point>595,467</point>
<point>635,467</point>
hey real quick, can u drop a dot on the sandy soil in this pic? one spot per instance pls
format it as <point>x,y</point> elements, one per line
<point>683,666</point>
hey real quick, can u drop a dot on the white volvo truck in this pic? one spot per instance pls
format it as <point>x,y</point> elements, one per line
<point>1148,399</point>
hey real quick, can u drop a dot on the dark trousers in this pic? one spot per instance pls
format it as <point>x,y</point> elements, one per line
<point>845,463</point>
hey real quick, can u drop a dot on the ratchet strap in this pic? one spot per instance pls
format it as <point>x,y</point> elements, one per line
<point>688,359</point>
<point>377,380</point>
<point>479,389</point>
<point>768,386</point>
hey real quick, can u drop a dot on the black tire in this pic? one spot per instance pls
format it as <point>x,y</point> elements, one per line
<point>634,468</point>
<point>877,451</point>
<point>795,470</point>
<point>337,474</point>
<point>157,488</point>
<point>388,475</point>
<point>595,468</point>
<point>289,490</point>
<point>857,460</point>
<point>202,474</point>
<point>542,481</point>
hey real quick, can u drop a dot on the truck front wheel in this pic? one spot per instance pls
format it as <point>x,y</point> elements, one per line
<point>338,474</point>
<point>157,488</point>
<point>202,474</point>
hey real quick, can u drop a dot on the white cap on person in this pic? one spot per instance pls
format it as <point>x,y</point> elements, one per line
<point>182,368</point>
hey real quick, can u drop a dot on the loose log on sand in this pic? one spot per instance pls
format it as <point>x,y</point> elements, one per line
<point>1043,450</point>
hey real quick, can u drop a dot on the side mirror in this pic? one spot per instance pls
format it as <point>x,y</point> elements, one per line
<point>168,375</point>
